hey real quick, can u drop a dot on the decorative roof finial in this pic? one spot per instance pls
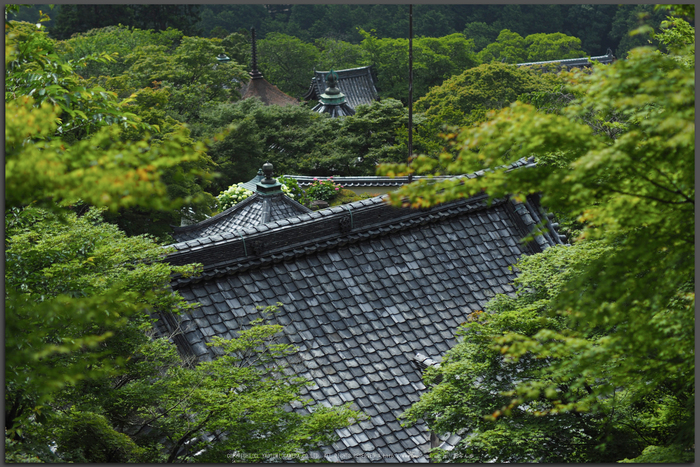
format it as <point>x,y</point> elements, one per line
<point>268,185</point>
<point>254,72</point>
<point>267,170</point>
<point>332,82</point>
<point>332,95</point>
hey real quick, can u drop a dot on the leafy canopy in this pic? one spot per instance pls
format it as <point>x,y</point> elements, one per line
<point>623,336</point>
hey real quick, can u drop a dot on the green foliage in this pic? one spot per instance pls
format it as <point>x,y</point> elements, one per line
<point>287,62</point>
<point>67,136</point>
<point>629,18</point>
<point>34,69</point>
<point>299,141</point>
<point>119,174</point>
<point>190,71</point>
<point>76,288</point>
<point>375,134</point>
<point>73,19</point>
<point>106,444</point>
<point>117,41</point>
<point>434,60</point>
<point>481,33</point>
<point>134,163</point>
<point>261,133</point>
<point>555,46</point>
<point>466,99</point>
<point>511,47</point>
<point>622,344</point>
<point>678,36</point>
<point>231,18</point>
<point>339,55</point>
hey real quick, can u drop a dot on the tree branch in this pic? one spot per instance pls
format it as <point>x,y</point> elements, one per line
<point>653,198</point>
<point>183,438</point>
<point>658,185</point>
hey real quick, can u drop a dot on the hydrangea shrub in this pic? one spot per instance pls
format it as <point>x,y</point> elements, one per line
<point>325,190</point>
<point>237,193</point>
<point>232,195</point>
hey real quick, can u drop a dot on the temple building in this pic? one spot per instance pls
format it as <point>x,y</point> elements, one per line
<point>333,101</point>
<point>357,84</point>
<point>267,204</point>
<point>371,294</point>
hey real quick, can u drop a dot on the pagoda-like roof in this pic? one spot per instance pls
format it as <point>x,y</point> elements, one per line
<point>267,204</point>
<point>358,85</point>
<point>259,87</point>
<point>255,210</point>
<point>606,59</point>
<point>267,93</point>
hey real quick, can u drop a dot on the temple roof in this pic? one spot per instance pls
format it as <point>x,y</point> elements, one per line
<point>606,59</point>
<point>334,110</point>
<point>266,92</point>
<point>358,85</point>
<point>266,204</point>
<point>371,294</point>
<point>365,181</point>
<point>259,87</point>
<point>373,181</point>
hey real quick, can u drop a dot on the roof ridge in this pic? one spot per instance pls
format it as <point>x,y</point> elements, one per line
<point>366,67</point>
<point>340,224</point>
<point>522,162</point>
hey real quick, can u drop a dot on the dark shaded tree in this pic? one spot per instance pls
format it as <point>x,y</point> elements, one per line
<point>78,18</point>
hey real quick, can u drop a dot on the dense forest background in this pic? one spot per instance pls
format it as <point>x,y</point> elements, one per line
<point>160,60</point>
<point>598,26</point>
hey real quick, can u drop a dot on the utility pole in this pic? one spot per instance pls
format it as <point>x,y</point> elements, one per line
<point>410,87</point>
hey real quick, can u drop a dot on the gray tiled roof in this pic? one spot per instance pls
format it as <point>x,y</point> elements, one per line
<point>576,62</point>
<point>366,181</point>
<point>357,84</point>
<point>254,210</point>
<point>365,287</point>
<point>383,181</point>
<point>334,110</point>
<point>252,184</point>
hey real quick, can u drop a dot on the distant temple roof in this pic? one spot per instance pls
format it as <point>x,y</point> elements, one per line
<point>259,87</point>
<point>267,204</point>
<point>358,85</point>
<point>606,59</point>
<point>365,181</point>
<point>369,181</point>
<point>333,101</point>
